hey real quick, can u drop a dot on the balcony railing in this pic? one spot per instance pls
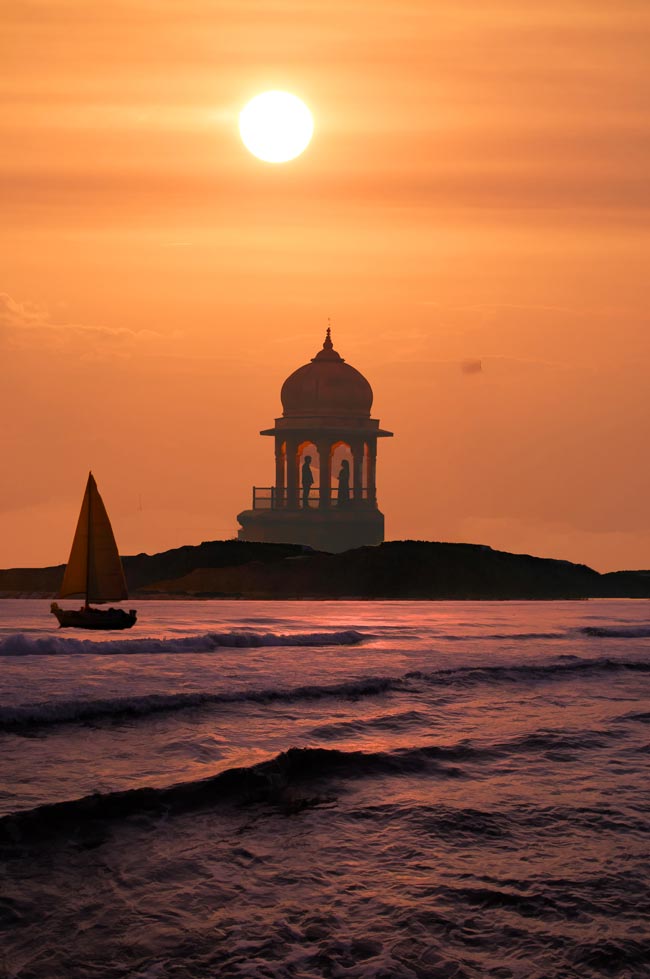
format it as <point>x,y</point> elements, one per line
<point>267,498</point>
<point>264,498</point>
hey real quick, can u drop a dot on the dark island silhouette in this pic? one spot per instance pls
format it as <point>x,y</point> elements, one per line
<point>392,570</point>
<point>324,538</point>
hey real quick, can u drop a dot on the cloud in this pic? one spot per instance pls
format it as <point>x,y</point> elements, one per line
<point>17,316</point>
<point>26,324</point>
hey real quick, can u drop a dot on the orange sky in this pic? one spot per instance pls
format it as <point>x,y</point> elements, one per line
<point>476,189</point>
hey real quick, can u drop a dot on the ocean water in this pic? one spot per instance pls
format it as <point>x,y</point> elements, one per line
<point>327,789</point>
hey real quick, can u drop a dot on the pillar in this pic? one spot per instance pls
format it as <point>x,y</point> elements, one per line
<point>292,473</point>
<point>372,473</point>
<point>280,457</point>
<point>357,471</point>
<point>325,462</point>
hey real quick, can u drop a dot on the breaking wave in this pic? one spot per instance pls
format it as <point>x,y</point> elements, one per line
<point>24,717</point>
<point>264,782</point>
<point>296,779</point>
<point>28,716</point>
<point>21,644</point>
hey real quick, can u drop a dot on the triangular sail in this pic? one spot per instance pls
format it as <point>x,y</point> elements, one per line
<point>94,568</point>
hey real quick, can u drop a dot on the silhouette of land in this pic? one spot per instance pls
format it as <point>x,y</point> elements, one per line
<point>395,569</point>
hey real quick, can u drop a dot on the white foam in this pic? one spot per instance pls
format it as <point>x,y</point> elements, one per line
<point>21,644</point>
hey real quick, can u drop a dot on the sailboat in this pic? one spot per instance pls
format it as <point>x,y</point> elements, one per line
<point>94,569</point>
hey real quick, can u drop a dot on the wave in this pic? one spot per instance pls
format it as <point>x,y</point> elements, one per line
<point>28,716</point>
<point>549,740</point>
<point>25,717</point>
<point>597,632</point>
<point>617,632</point>
<point>543,741</point>
<point>522,674</point>
<point>274,781</point>
<point>21,644</point>
<point>502,636</point>
<point>403,720</point>
<point>643,717</point>
<point>466,675</point>
<point>303,777</point>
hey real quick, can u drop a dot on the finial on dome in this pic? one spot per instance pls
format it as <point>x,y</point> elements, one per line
<point>327,351</point>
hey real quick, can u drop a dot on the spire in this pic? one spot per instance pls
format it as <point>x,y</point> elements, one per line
<point>328,352</point>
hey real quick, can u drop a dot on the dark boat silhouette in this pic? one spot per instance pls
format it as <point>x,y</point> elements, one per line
<point>94,570</point>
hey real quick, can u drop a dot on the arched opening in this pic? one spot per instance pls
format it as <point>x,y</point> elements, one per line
<point>342,473</point>
<point>308,463</point>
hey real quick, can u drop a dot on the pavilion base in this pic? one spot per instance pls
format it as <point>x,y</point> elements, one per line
<point>325,530</point>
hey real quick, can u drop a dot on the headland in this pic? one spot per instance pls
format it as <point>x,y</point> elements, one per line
<point>425,570</point>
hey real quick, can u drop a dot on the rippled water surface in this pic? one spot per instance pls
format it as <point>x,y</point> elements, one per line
<point>385,789</point>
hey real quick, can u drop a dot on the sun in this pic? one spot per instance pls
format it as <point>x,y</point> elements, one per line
<point>276,126</point>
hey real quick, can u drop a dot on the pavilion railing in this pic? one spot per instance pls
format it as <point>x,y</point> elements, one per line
<point>267,497</point>
<point>264,498</point>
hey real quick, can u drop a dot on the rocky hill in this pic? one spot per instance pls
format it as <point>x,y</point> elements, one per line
<point>396,569</point>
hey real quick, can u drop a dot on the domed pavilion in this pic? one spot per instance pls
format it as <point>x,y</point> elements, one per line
<point>325,492</point>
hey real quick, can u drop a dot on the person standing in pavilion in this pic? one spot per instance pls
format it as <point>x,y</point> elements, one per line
<point>343,496</point>
<point>307,480</point>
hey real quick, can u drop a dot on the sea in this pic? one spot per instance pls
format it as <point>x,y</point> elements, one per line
<point>356,790</point>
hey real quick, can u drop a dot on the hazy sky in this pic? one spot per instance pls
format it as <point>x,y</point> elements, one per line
<point>476,190</point>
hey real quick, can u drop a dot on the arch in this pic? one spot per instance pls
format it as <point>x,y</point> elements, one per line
<point>308,491</point>
<point>339,451</point>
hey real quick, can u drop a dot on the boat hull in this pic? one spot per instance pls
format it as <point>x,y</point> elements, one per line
<point>94,618</point>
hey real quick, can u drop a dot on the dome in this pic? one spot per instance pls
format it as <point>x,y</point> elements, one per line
<point>326,386</point>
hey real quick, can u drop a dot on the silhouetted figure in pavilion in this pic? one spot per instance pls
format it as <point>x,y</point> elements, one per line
<point>326,406</point>
<point>307,480</point>
<point>343,497</point>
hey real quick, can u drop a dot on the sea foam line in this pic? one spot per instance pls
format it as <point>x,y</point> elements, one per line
<point>21,644</point>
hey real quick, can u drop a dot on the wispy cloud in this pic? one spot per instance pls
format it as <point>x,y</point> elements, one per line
<point>26,324</point>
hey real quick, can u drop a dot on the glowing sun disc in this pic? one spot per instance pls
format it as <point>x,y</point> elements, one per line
<point>276,126</point>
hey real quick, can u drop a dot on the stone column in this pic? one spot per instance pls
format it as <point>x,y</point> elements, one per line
<point>372,473</point>
<point>357,470</point>
<point>279,472</point>
<point>292,473</point>
<point>325,461</point>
